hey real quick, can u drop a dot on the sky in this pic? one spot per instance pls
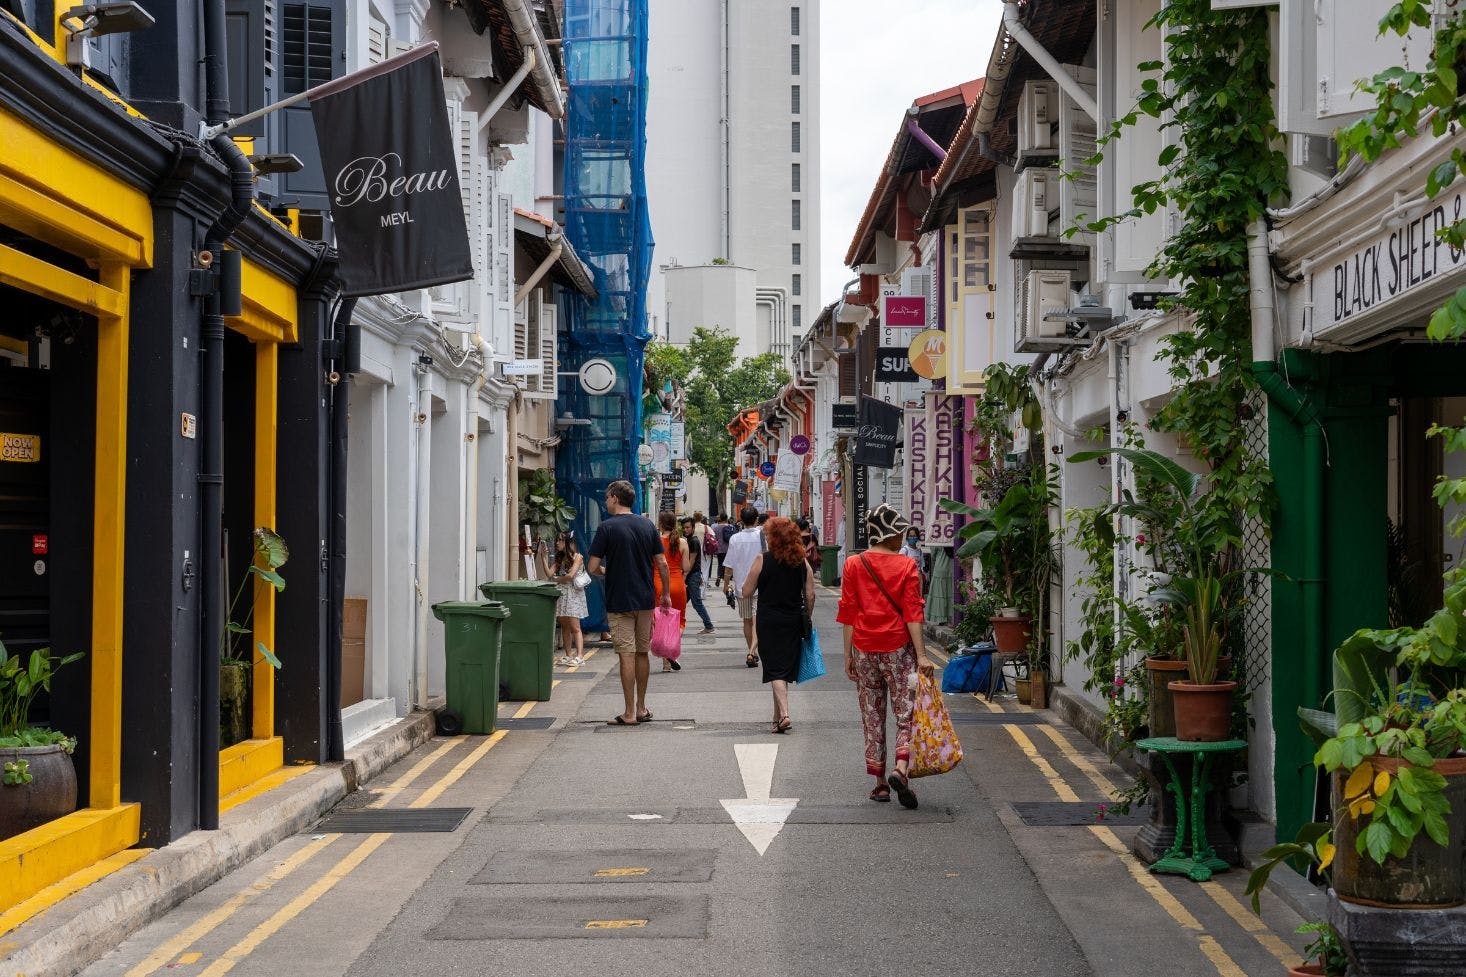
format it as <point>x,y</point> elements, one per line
<point>876,58</point>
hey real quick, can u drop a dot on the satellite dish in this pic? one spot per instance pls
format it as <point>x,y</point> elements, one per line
<point>597,376</point>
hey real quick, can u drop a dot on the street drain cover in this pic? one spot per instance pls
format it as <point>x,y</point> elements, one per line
<point>396,820</point>
<point>598,866</point>
<point>1066,814</point>
<point>527,722</point>
<point>596,917</point>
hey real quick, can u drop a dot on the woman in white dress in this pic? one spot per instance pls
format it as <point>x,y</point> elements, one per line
<point>571,606</point>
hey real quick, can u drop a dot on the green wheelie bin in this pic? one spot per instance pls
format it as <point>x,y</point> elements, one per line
<point>471,637</point>
<point>528,659</point>
<point>829,567</point>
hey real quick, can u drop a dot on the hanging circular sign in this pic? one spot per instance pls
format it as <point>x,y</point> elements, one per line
<point>597,376</point>
<point>928,354</point>
<point>799,444</point>
<point>767,469</point>
<point>644,454</point>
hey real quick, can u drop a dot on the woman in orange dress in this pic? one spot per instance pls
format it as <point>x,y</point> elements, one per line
<point>679,561</point>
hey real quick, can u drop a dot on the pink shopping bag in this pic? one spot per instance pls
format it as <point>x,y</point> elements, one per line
<point>934,745</point>
<point>667,633</point>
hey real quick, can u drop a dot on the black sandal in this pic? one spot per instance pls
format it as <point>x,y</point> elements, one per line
<point>881,795</point>
<point>751,661</point>
<point>903,790</point>
<point>618,721</point>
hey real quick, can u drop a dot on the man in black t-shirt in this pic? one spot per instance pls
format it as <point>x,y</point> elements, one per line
<point>629,546</point>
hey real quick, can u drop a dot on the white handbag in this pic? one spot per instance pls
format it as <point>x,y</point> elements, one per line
<point>581,581</point>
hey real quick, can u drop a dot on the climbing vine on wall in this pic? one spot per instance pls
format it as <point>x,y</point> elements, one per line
<point>1220,170</point>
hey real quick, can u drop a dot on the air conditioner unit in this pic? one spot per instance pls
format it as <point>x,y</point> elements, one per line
<point>1040,294</point>
<point>1078,195</point>
<point>1034,195</point>
<point>1038,112</point>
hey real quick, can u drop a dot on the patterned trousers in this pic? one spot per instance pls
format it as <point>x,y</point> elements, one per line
<point>878,676</point>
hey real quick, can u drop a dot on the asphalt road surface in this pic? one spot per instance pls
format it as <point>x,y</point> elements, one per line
<point>701,844</point>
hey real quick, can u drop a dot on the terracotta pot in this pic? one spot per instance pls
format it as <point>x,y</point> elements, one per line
<point>1203,712</point>
<point>234,702</point>
<point>1025,691</point>
<point>1428,877</point>
<point>50,794</point>
<point>1011,634</point>
<point>1306,970</point>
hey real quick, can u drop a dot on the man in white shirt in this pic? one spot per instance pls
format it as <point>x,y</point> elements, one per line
<point>745,547</point>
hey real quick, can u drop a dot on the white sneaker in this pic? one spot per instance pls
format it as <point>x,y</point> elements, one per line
<point>576,662</point>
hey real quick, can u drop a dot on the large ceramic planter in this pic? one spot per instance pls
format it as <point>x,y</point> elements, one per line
<point>50,794</point>
<point>1306,970</point>
<point>1428,877</point>
<point>1203,712</point>
<point>233,703</point>
<point>1011,634</point>
<point>1159,673</point>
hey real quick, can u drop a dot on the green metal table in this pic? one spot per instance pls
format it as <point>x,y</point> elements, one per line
<point>1190,811</point>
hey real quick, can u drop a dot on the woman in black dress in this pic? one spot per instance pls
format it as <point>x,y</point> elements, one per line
<point>784,584</point>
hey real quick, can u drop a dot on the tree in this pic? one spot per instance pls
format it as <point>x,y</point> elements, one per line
<point>716,385</point>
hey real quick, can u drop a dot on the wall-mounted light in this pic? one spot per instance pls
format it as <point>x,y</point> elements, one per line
<point>97,19</point>
<point>267,163</point>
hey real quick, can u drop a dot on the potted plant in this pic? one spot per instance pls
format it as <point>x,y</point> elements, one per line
<point>541,508</point>
<point>1202,539</point>
<point>38,783</point>
<point>1324,956</point>
<point>1397,761</point>
<point>236,654</point>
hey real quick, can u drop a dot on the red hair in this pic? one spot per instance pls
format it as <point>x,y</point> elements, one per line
<point>785,542</point>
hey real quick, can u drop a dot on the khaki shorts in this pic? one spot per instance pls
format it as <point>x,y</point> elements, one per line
<point>631,632</point>
<point>748,607</point>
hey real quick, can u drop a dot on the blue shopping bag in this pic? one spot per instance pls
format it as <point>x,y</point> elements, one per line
<point>811,659</point>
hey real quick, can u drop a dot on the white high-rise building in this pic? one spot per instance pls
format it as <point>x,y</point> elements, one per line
<point>732,163</point>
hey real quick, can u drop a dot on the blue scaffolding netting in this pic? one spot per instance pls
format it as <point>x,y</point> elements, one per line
<point>607,221</point>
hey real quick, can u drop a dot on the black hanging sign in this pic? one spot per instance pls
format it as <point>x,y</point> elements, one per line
<point>392,174</point>
<point>893,365</point>
<point>844,417</point>
<point>859,504</point>
<point>875,439</point>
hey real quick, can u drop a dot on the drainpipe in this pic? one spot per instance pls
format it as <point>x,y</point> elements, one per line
<point>527,32</point>
<point>919,134</point>
<point>223,299</point>
<point>1304,413</point>
<point>726,125</point>
<point>510,87</point>
<point>336,582</point>
<point>418,690</point>
<point>1013,25</point>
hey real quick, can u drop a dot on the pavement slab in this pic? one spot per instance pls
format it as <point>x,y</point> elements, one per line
<point>591,850</point>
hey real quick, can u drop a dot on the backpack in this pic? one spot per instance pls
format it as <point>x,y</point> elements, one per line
<point>710,544</point>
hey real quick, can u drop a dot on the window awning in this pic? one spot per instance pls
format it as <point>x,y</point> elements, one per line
<point>538,236</point>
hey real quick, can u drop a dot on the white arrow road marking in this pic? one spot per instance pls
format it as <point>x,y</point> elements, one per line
<point>758,816</point>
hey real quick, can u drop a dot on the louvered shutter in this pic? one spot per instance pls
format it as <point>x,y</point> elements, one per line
<point>1078,199</point>
<point>502,276</point>
<point>312,40</point>
<point>548,350</point>
<point>522,337</point>
<point>377,40</point>
<point>849,381</point>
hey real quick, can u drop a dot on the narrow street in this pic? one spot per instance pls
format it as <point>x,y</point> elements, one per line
<point>590,849</point>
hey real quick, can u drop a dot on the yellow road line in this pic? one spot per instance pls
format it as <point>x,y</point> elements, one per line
<point>1148,882</point>
<point>453,776</point>
<point>1074,756</point>
<point>341,869</point>
<point>182,940</point>
<point>1219,958</point>
<point>1062,788</point>
<point>1225,965</point>
<point>524,710</point>
<point>189,958</point>
<point>413,773</point>
<point>1250,922</point>
<point>294,907</point>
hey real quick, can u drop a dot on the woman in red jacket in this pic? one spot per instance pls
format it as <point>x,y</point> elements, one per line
<point>882,608</point>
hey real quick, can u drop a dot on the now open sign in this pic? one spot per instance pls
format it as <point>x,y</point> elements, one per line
<point>23,448</point>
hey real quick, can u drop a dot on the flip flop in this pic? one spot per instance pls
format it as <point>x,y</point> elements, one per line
<point>644,718</point>
<point>903,790</point>
<point>618,721</point>
<point>751,661</point>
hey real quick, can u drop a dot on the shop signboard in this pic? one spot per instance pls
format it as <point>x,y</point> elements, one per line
<point>844,417</point>
<point>903,311</point>
<point>880,428</point>
<point>943,423</point>
<point>917,436</point>
<point>893,365</point>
